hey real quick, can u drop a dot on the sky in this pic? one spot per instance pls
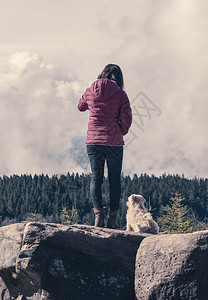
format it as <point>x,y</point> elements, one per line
<point>52,50</point>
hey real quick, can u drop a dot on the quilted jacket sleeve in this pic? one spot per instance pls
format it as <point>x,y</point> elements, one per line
<point>82,105</point>
<point>125,113</point>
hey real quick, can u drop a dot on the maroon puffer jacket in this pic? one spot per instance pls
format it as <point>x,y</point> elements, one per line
<point>110,113</point>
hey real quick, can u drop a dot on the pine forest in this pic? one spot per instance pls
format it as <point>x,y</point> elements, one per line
<point>66,199</point>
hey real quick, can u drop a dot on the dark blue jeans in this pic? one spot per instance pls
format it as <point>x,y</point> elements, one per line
<point>113,155</point>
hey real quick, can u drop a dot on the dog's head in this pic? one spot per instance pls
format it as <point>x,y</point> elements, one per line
<point>136,200</point>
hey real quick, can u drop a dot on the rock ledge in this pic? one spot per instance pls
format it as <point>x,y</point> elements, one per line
<point>52,261</point>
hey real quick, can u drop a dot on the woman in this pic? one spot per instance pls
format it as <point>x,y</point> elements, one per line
<point>110,118</point>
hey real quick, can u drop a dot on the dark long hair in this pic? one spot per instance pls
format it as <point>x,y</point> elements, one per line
<point>113,72</point>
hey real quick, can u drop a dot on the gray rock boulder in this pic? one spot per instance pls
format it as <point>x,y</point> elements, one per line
<point>4,292</point>
<point>173,267</point>
<point>10,244</point>
<point>51,261</point>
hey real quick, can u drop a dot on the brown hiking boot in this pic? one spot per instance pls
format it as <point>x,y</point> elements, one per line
<point>112,220</point>
<point>100,216</point>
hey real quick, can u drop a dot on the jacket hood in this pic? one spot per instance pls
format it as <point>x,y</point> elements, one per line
<point>104,88</point>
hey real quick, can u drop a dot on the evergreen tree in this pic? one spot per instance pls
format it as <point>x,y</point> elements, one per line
<point>70,217</point>
<point>175,219</point>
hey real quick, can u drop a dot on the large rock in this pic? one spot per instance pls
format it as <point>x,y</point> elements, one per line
<point>10,244</point>
<point>173,267</point>
<point>52,261</point>
<point>4,292</point>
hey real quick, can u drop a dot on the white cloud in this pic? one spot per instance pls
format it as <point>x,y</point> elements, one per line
<point>161,47</point>
<point>39,116</point>
<point>168,62</point>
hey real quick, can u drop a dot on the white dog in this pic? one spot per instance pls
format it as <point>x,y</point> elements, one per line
<point>138,218</point>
